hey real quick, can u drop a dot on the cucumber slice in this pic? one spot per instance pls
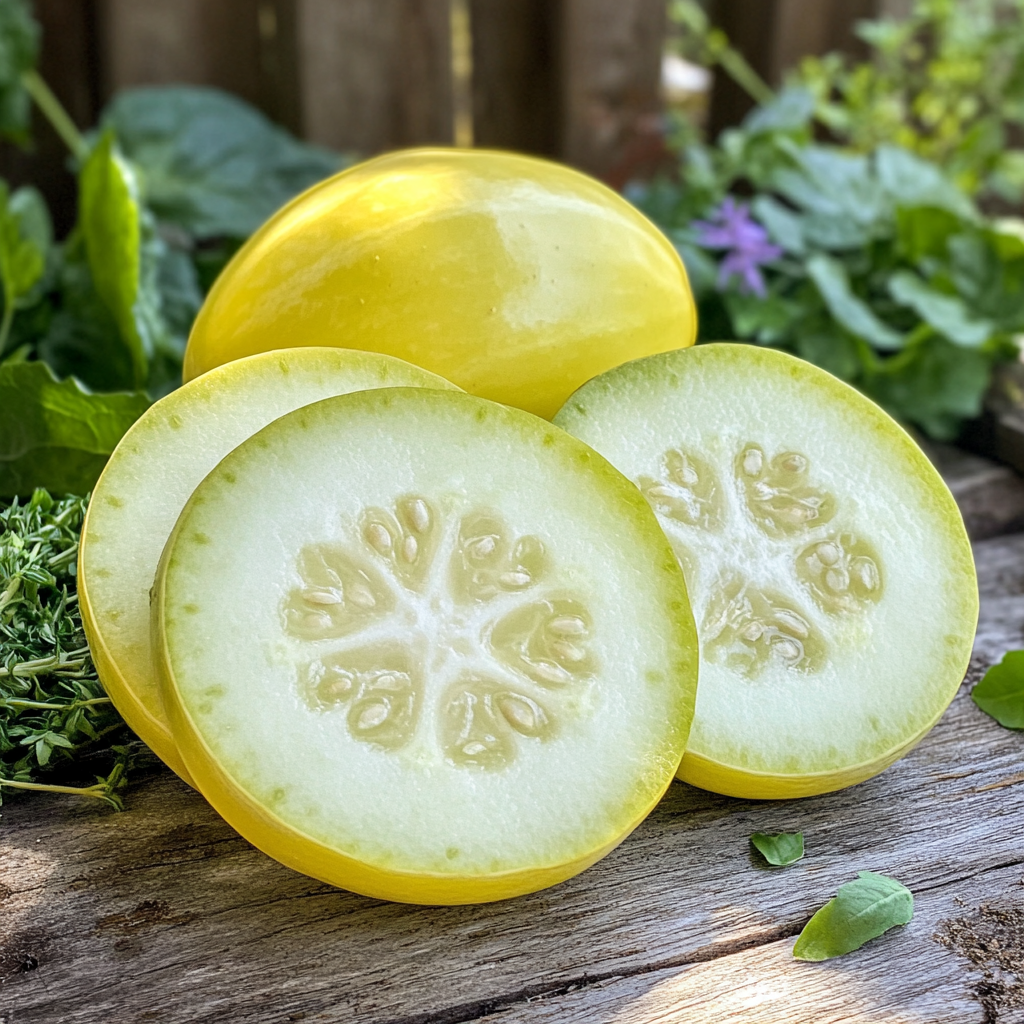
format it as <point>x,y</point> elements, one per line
<point>425,647</point>
<point>150,476</point>
<point>831,577</point>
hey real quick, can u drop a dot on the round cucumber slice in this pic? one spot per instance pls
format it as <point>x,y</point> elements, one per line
<point>425,647</point>
<point>149,478</point>
<point>830,574</point>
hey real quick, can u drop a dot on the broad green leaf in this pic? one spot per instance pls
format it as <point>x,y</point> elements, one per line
<point>23,247</point>
<point>209,162</point>
<point>765,320</point>
<point>1001,691</point>
<point>851,312</point>
<point>19,48</point>
<point>946,313</point>
<point>780,849</point>
<point>782,224</point>
<point>790,111</point>
<point>924,231</point>
<point>828,347</point>
<point>54,434</point>
<point>936,385</point>
<point>862,910</point>
<point>110,221</point>
<point>910,181</point>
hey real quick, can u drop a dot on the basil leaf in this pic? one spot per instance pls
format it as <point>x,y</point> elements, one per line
<point>1001,691</point>
<point>19,47</point>
<point>945,313</point>
<point>862,910</point>
<point>781,849</point>
<point>53,433</point>
<point>110,220</point>
<point>210,163</point>
<point>852,313</point>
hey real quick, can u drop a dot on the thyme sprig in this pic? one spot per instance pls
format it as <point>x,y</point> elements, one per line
<point>52,705</point>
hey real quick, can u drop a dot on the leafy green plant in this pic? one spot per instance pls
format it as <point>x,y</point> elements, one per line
<point>947,83</point>
<point>874,265</point>
<point>169,187</point>
<point>52,705</point>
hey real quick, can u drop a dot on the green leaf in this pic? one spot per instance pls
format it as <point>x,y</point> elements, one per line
<point>862,910</point>
<point>110,221</point>
<point>946,313</point>
<point>23,247</point>
<point>19,48</point>
<point>54,434</point>
<point>925,231</point>
<point>780,849</point>
<point>910,181</point>
<point>1001,691</point>
<point>935,384</point>
<point>783,225</point>
<point>766,320</point>
<point>210,163</point>
<point>849,311</point>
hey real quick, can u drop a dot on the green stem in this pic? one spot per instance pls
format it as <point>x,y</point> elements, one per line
<point>99,791</point>
<point>55,113</point>
<point>736,67</point>
<point>40,706</point>
<point>41,665</point>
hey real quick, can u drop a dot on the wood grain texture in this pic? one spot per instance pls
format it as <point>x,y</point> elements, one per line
<point>164,914</point>
<point>610,64</point>
<point>375,74</point>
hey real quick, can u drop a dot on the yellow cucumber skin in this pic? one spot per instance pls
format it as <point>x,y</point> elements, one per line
<point>135,705</point>
<point>515,278</point>
<point>150,726</point>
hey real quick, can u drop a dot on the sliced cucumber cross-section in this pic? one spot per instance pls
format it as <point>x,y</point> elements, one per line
<point>425,647</point>
<point>149,478</point>
<point>830,574</point>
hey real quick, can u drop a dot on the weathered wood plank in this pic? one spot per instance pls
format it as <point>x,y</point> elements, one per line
<point>375,74</point>
<point>163,913</point>
<point>891,980</point>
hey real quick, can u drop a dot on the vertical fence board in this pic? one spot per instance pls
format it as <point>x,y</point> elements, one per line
<point>773,35</point>
<point>375,74</point>
<point>611,82</point>
<point>516,101</point>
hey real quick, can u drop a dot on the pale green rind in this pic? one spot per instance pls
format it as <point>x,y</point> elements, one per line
<point>737,389</point>
<point>151,474</point>
<point>591,486</point>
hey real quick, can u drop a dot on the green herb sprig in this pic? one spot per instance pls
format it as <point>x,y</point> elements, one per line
<point>52,704</point>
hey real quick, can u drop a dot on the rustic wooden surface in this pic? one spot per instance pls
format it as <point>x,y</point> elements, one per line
<point>164,914</point>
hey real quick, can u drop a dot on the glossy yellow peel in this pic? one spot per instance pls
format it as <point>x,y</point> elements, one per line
<point>516,278</point>
<point>830,573</point>
<point>151,475</point>
<point>456,667</point>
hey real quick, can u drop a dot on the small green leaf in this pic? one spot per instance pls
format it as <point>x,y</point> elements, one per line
<point>19,47</point>
<point>54,434</point>
<point>23,247</point>
<point>862,910</point>
<point>780,849</point>
<point>849,311</point>
<point>110,221</point>
<point>945,313</point>
<point>1001,691</point>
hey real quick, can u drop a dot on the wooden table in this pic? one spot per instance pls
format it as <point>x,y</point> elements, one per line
<point>164,914</point>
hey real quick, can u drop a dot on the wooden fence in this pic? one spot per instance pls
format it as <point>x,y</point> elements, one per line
<point>578,80</point>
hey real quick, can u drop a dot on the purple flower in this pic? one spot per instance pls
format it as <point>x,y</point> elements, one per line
<point>746,243</point>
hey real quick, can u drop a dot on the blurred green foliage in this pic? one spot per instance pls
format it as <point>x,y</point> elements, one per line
<point>888,275</point>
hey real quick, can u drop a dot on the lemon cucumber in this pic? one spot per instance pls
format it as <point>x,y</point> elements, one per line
<point>149,478</point>
<point>425,647</point>
<point>831,577</point>
<point>516,278</point>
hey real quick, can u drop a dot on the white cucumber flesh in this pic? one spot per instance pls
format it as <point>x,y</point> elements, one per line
<point>425,647</point>
<point>830,574</point>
